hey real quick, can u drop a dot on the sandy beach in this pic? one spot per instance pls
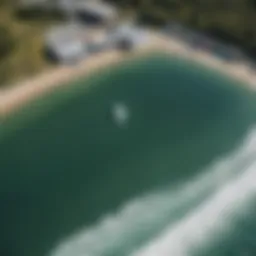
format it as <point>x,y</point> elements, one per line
<point>14,97</point>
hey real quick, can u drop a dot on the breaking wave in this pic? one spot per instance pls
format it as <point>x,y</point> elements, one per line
<point>209,221</point>
<point>193,212</point>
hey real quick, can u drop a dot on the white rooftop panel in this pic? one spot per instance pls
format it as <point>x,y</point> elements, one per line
<point>99,8</point>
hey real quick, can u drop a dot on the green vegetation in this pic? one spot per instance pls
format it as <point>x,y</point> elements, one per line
<point>229,20</point>
<point>21,40</point>
<point>21,31</point>
<point>6,42</point>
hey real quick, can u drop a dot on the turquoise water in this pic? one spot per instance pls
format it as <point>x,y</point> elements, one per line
<point>68,170</point>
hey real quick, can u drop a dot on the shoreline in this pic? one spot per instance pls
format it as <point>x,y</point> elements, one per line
<point>237,71</point>
<point>11,99</point>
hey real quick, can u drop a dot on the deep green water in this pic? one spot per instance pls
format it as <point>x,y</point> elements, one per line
<point>65,164</point>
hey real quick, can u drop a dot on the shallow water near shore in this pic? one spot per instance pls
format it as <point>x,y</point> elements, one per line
<point>74,183</point>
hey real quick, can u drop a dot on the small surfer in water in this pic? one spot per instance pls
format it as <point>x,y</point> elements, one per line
<point>120,114</point>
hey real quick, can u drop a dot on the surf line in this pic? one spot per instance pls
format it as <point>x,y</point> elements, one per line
<point>207,222</point>
<point>144,215</point>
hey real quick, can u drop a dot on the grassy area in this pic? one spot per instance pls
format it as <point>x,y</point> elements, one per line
<point>26,35</point>
<point>26,31</point>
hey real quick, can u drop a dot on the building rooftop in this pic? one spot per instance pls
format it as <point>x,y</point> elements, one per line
<point>97,7</point>
<point>138,36</point>
<point>65,33</point>
<point>67,42</point>
<point>32,2</point>
<point>38,3</point>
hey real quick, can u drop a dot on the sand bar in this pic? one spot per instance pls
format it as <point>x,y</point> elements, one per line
<point>14,97</point>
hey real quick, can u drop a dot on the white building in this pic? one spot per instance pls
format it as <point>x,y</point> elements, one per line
<point>72,43</point>
<point>66,44</point>
<point>40,4</point>
<point>136,36</point>
<point>84,11</point>
<point>94,12</point>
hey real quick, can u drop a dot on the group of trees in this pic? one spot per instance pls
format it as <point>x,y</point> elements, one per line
<point>6,39</point>
<point>6,42</point>
<point>21,33</point>
<point>233,21</point>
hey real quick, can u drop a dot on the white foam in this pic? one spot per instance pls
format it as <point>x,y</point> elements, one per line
<point>146,213</point>
<point>208,221</point>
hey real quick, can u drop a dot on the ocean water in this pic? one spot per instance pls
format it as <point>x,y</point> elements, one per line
<point>178,179</point>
